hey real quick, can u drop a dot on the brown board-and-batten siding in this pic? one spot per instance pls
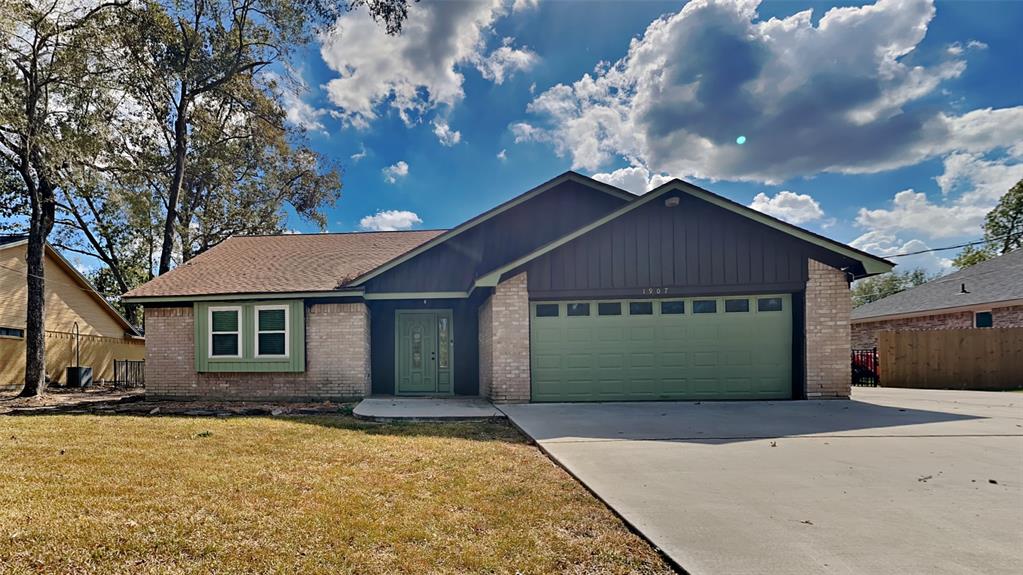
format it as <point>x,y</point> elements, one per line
<point>694,248</point>
<point>454,264</point>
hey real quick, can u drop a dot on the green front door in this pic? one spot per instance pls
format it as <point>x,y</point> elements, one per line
<point>731,347</point>
<point>423,352</point>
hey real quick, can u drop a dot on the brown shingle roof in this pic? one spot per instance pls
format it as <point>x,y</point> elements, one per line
<point>281,264</point>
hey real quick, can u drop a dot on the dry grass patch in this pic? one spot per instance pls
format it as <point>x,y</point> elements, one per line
<point>119,494</point>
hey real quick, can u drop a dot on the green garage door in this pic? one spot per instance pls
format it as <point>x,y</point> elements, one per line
<point>687,348</point>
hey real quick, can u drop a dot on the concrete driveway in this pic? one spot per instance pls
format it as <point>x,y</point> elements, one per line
<point>894,481</point>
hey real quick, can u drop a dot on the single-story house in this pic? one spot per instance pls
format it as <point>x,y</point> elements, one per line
<point>572,291</point>
<point>988,294</point>
<point>104,335</point>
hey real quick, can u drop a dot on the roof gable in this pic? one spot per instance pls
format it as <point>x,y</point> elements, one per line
<point>871,264</point>
<point>492,213</point>
<point>76,276</point>
<point>997,280</point>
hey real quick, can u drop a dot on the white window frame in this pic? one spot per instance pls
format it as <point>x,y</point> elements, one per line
<point>286,331</point>
<point>237,334</point>
<point>976,311</point>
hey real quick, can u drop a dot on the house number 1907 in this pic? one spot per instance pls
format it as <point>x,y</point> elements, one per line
<point>655,291</point>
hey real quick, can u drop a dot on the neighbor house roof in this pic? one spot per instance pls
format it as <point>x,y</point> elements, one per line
<point>9,241</point>
<point>996,280</point>
<point>292,263</point>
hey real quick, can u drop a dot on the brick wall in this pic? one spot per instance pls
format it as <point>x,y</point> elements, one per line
<point>865,335</point>
<point>828,305</point>
<point>504,342</point>
<point>337,359</point>
<point>1011,316</point>
<point>486,347</point>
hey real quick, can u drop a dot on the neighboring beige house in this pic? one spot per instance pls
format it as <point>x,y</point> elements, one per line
<point>989,294</point>
<point>105,335</point>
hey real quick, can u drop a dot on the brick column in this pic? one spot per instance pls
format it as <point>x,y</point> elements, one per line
<point>170,352</point>
<point>828,305</point>
<point>504,342</point>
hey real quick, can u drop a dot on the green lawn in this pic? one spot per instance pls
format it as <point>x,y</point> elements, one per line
<point>120,494</point>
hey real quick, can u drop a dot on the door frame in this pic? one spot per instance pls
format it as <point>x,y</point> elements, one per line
<point>439,312</point>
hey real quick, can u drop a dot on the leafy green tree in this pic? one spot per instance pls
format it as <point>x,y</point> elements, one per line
<point>194,54</point>
<point>56,63</point>
<point>877,287</point>
<point>1003,230</point>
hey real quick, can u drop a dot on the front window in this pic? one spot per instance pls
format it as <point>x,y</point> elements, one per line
<point>272,331</point>
<point>225,331</point>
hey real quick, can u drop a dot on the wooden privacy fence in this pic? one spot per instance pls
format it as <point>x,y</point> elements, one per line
<point>981,359</point>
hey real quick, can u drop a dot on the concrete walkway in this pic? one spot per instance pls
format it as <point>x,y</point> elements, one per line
<point>425,409</point>
<point>895,481</point>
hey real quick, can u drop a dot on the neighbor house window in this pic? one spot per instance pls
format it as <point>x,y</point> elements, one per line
<point>225,331</point>
<point>705,306</point>
<point>11,332</point>
<point>271,331</point>
<point>983,319</point>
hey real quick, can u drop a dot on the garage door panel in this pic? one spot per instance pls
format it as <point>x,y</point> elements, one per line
<point>722,355</point>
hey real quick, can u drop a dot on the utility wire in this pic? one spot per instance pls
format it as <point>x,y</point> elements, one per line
<point>947,248</point>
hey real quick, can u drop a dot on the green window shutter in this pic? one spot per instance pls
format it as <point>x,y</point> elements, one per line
<point>226,320</point>
<point>271,320</point>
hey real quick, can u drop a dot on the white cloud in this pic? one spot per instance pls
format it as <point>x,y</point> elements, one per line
<point>887,245</point>
<point>418,70</point>
<point>505,61</point>
<point>395,172</point>
<point>360,154</point>
<point>976,45</point>
<point>635,179</point>
<point>502,155</point>
<point>390,220</point>
<point>445,134</point>
<point>789,206</point>
<point>971,186</point>
<point>523,5</point>
<point>838,96</point>
<point>912,211</point>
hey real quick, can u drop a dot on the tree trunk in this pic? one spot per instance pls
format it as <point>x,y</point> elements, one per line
<point>43,206</point>
<point>180,154</point>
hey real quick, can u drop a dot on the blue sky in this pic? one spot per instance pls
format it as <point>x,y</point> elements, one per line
<point>894,126</point>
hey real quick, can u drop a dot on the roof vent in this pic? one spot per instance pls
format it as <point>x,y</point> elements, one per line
<point>671,202</point>
<point>963,290</point>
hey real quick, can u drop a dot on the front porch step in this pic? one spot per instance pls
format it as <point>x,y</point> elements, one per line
<point>391,408</point>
